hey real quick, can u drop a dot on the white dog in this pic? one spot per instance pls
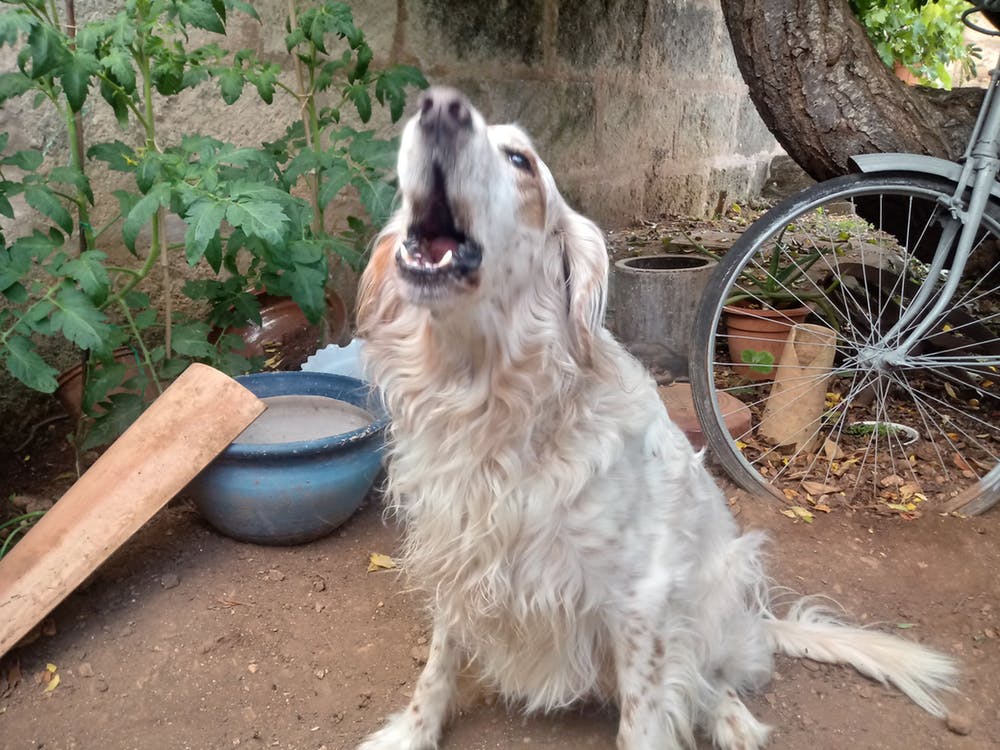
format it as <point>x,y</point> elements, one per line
<point>572,544</point>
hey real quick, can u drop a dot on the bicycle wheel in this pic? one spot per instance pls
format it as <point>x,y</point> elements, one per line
<point>838,404</point>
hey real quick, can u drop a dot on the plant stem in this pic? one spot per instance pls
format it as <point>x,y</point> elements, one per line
<point>310,122</point>
<point>23,517</point>
<point>146,356</point>
<point>74,126</point>
<point>157,223</point>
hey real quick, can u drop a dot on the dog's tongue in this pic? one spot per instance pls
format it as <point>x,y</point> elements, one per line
<point>438,247</point>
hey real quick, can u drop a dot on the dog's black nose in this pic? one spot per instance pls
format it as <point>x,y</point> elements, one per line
<point>444,111</point>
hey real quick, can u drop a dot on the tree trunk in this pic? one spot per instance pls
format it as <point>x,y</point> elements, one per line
<point>825,94</point>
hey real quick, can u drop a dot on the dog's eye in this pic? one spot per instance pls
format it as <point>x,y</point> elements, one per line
<point>519,160</point>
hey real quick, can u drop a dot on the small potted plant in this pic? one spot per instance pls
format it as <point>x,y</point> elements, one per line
<point>773,295</point>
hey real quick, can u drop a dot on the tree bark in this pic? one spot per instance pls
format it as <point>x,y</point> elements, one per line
<point>825,94</point>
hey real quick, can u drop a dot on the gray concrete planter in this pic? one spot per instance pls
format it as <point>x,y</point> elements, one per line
<point>655,298</point>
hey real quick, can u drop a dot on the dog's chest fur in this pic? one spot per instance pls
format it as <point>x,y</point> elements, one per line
<point>506,527</point>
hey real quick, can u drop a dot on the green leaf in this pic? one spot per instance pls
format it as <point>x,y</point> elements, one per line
<point>75,79</point>
<point>120,157</point>
<point>203,218</point>
<point>14,84</point>
<point>759,361</point>
<point>309,290</point>
<point>304,161</point>
<point>78,319</point>
<point>390,86</point>
<point>117,101</point>
<point>29,160</point>
<point>335,178</point>
<point>119,64</point>
<point>123,410</point>
<point>45,202</point>
<point>377,198</point>
<point>47,50</point>
<point>202,15</point>
<point>264,81</point>
<point>259,218</point>
<point>12,26</point>
<point>191,340</point>
<point>38,245</point>
<point>102,378</point>
<point>231,84</point>
<point>89,272</point>
<point>24,363</point>
<point>362,100</point>
<point>142,213</point>
<point>374,153</point>
<point>245,8</point>
<point>306,252</point>
<point>365,56</point>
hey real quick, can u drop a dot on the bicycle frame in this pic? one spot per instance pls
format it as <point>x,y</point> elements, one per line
<point>978,167</point>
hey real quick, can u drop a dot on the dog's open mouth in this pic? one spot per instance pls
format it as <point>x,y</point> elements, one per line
<point>435,249</point>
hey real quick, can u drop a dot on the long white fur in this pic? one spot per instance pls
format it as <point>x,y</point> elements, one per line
<point>570,540</point>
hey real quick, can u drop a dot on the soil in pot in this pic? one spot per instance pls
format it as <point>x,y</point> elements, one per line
<point>749,331</point>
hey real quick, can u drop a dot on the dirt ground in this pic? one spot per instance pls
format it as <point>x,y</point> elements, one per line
<point>188,640</point>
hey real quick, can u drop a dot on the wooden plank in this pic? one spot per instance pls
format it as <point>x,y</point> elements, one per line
<point>177,436</point>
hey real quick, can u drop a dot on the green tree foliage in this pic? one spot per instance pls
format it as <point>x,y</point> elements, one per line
<point>925,36</point>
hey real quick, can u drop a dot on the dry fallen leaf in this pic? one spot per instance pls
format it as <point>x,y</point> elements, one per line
<point>893,480</point>
<point>818,488</point>
<point>799,513</point>
<point>378,561</point>
<point>832,451</point>
<point>50,677</point>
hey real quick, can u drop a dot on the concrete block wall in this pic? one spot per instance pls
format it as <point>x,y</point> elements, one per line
<point>636,105</point>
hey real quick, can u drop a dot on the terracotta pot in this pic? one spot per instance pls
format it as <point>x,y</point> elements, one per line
<point>904,74</point>
<point>70,389</point>
<point>759,330</point>
<point>285,338</point>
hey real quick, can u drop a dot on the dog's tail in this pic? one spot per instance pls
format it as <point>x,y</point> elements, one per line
<point>813,631</point>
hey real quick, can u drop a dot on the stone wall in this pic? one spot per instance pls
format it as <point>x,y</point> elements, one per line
<point>637,105</point>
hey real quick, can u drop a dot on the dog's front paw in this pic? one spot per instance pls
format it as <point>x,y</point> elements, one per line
<point>403,731</point>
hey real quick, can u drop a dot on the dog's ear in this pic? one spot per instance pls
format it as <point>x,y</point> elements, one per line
<point>585,269</point>
<point>377,301</point>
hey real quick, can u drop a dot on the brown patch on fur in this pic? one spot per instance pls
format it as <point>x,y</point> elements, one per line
<point>532,197</point>
<point>381,266</point>
<point>658,648</point>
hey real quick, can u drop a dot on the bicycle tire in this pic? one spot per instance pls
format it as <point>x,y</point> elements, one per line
<point>857,264</point>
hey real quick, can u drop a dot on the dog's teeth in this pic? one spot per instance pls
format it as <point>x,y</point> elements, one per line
<point>445,260</point>
<point>407,258</point>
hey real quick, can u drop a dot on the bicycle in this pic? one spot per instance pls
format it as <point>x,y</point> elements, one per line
<point>886,384</point>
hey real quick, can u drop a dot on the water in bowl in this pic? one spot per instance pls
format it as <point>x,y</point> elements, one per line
<point>290,419</point>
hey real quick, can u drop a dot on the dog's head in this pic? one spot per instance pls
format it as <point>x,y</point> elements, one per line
<point>481,223</point>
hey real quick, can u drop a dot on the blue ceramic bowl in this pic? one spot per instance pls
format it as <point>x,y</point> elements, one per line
<point>294,492</point>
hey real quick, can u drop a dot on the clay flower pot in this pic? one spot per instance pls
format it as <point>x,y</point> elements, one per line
<point>285,338</point>
<point>70,389</point>
<point>759,330</point>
